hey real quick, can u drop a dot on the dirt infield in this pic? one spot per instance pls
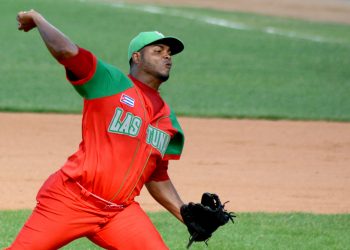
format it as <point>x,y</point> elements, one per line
<point>257,165</point>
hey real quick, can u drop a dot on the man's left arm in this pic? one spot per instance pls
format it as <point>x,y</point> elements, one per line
<point>165,194</point>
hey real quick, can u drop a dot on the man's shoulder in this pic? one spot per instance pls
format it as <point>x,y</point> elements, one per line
<point>107,80</point>
<point>113,73</point>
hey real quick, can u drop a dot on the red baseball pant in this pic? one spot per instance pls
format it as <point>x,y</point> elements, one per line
<point>61,216</point>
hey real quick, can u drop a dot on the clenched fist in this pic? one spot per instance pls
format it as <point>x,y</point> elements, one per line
<point>26,20</point>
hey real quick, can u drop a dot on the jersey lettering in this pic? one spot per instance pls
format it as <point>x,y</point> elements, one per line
<point>158,139</point>
<point>130,125</point>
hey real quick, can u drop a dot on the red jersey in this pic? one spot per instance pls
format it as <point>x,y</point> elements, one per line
<point>128,134</point>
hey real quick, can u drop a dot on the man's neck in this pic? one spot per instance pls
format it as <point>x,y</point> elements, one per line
<point>147,79</point>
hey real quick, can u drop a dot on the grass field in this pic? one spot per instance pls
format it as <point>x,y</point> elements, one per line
<point>251,231</point>
<point>234,64</point>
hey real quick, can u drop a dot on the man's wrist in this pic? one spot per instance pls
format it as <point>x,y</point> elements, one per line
<point>37,17</point>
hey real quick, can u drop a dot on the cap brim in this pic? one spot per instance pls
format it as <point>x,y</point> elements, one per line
<point>176,46</point>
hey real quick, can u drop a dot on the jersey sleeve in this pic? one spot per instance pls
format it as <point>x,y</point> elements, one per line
<point>79,68</point>
<point>161,172</point>
<point>92,78</point>
<point>176,143</point>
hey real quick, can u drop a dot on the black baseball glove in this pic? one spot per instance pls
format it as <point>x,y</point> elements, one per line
<point>202,219</point>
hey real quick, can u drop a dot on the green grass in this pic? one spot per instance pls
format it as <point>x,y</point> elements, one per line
<point>223,72</point>
<point>251,231</point>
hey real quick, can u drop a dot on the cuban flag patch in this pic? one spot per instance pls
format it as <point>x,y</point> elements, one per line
<point>127,100</point>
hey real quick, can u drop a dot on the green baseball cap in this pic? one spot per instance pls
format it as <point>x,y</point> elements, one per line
<point>154,37</point>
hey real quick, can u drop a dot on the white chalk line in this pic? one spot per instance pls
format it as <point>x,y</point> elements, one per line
<point>222,22</point>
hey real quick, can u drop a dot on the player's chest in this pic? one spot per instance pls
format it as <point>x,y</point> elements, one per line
<point>128,115</point>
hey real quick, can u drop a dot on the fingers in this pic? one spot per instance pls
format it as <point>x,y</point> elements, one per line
<point>20,21</point>
<point>25,20</point>
<point>21,14</point>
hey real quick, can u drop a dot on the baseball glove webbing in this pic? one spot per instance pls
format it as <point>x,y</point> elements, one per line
<point>203,219</point>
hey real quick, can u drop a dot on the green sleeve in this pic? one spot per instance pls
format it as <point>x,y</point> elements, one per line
<point>107,80</point>
<point>176,143</point>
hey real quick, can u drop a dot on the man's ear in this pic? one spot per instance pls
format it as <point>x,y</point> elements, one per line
<point>136,57</point>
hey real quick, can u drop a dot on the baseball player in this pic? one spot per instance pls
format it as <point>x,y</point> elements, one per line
<point>129,134</point>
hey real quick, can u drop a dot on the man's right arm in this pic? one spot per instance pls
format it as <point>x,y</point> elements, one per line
<point>91,78</point>
<point>79,63</point>
<point>59,45</point>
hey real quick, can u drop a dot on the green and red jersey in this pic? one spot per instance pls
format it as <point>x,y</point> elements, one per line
<point>128,132</point>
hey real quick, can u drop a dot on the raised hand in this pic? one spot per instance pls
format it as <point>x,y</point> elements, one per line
<point>26,21</point>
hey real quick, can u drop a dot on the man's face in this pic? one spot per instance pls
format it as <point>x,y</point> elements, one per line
<point>156,61</point>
